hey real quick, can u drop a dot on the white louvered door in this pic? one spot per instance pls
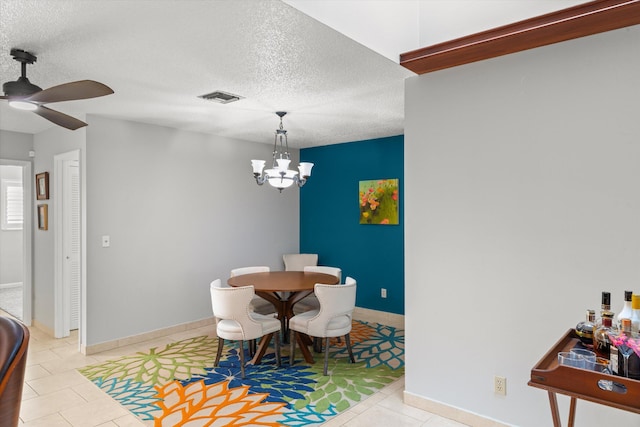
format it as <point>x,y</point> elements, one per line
<point>71,241</point>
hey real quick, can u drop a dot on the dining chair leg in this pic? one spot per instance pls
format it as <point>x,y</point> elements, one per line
<point>219,352</point>
<point>242,358</point>
<point>326,354</point>
<point>292,347</point>
<point>277,338</point>
<point>347,339</point>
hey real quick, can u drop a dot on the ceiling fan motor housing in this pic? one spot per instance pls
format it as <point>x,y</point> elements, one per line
<point>20,88</point>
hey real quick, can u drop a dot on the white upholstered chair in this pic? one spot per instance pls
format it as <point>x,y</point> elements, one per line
<point>310,302</point>
<point>248,270</point>
<point>332,319</point>
<point>235,321</point>
<point>297,262</point>
<point>334,271</point>
<point>259,305</point>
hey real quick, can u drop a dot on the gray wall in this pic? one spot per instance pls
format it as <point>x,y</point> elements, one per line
<point>522,205</point>
<point>15,145</point>
<point>181,209</point>
<point>47,144</point>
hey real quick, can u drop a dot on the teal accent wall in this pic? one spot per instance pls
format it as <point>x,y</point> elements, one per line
<point>329,218</point>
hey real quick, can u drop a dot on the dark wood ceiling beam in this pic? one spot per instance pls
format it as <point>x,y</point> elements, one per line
<point>578,21</point>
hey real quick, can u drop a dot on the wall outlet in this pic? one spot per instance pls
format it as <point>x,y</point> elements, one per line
<point>500,385</point>
<point>383,293</point>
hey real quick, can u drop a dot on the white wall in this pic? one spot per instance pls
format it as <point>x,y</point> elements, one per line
<point>181,209</point>
<point>389,27</point>
<point>444,20</point>
<point>393,27</point>
<point>522,205</point>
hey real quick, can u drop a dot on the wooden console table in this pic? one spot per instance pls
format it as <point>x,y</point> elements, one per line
<point>610,390</point>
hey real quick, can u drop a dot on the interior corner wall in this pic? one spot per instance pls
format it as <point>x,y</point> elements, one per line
<point>46,145</point>
<point>329,218</point>
<point>522,205</point>
<point>181,209</point>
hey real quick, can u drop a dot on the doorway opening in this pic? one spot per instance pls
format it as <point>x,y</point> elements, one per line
<point>15,239</point>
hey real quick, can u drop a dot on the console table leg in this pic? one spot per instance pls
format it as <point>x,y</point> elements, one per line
<point>572,412</point>
<point>555,414</point>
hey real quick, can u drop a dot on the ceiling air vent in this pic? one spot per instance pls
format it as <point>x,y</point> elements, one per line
<point>221,97</point>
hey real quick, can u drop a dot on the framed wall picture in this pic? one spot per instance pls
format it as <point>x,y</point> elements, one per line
<point>379,201</point>
<point>43,217</point>
<point>42,186</point>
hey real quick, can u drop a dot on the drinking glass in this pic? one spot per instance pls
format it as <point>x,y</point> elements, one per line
<point>626,351</point>
<point>587,355</point>
<point>568,358</point>
<point>599,365</point>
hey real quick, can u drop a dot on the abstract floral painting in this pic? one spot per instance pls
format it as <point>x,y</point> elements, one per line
<point>177,385</point>
<point>379,201</point>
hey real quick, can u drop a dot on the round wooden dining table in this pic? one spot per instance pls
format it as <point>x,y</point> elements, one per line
<point>283,289</point>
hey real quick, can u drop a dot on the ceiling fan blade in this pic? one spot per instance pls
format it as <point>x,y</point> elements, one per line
<point>4,97</point>
<point>59,118</point>
<point>82,89</point>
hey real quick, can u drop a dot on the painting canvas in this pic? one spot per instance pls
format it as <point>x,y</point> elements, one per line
<point>379,201</point>
<point>43,217</point>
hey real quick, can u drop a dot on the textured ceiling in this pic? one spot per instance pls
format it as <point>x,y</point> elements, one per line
<point>159,56</point>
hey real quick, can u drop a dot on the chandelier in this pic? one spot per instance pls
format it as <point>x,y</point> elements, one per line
<point>280,176</point>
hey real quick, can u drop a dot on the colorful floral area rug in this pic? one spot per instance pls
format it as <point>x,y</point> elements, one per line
<point>178,386</point>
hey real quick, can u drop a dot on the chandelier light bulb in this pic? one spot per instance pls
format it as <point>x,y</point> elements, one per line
<point>283,164</point>
<point>257,165</point>
<point>305,169</point>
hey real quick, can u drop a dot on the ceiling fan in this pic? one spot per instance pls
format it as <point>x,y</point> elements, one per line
<point>24,95</point>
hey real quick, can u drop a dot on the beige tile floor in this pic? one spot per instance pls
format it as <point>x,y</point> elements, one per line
<point>56,395</point>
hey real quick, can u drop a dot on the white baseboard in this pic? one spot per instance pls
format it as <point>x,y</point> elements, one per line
<point>381,317</point>
<point>10,285</point>
<point>364,314</point>
<point>451,412</point>
<point>134,339</point>
<point>43,328</point>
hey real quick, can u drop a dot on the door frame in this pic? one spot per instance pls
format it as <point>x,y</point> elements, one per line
<point>61,309</point>
<point>27,233</point>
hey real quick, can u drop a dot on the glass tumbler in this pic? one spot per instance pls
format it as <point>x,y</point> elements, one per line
<point>587,355</point>
<point>568,358</point>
